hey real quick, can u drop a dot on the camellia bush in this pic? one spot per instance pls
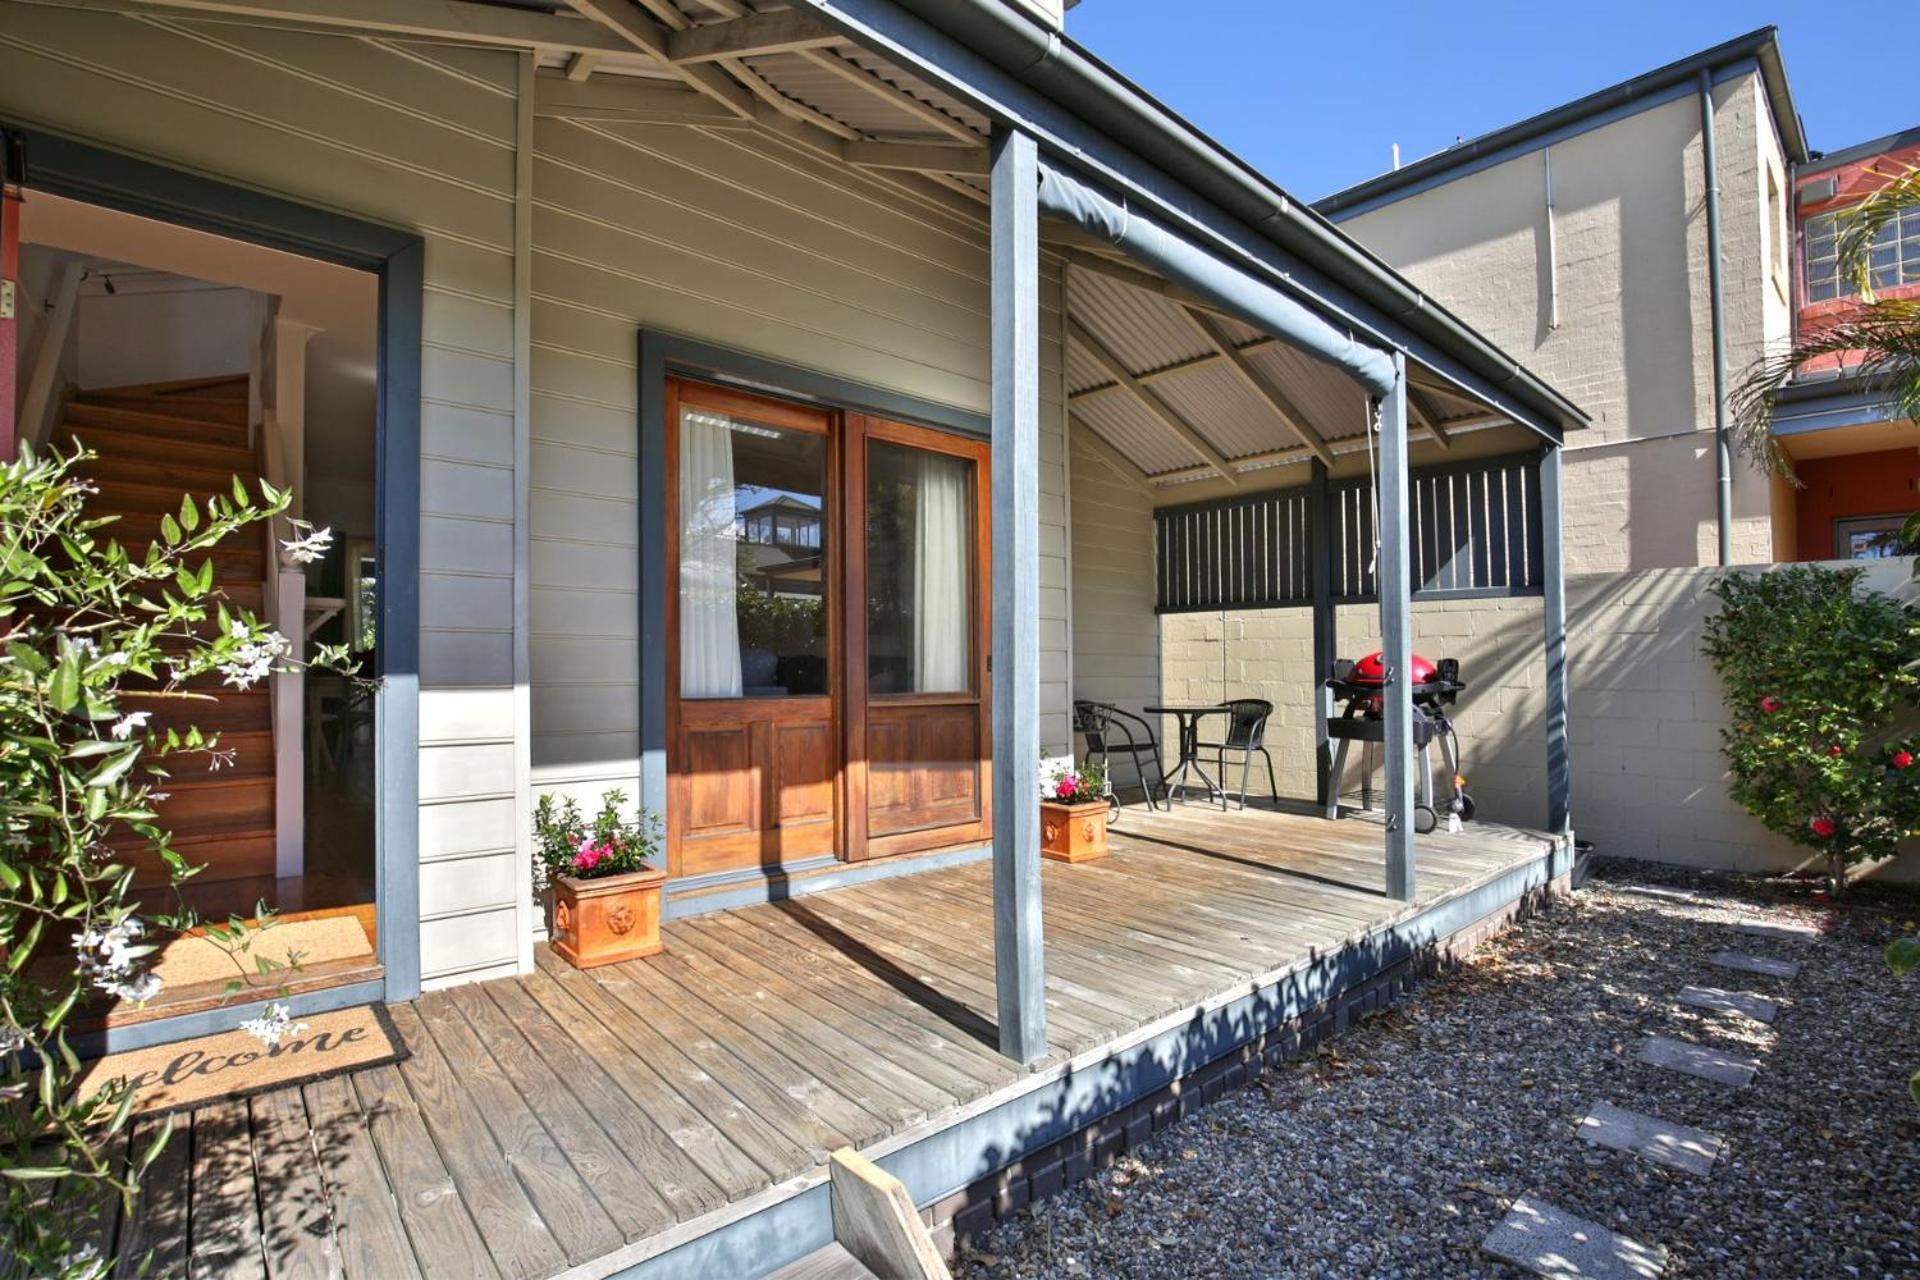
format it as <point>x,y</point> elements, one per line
<point>84,620</point>
<point>1821,688</point>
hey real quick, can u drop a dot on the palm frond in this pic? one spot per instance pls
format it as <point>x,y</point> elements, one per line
<point>1878,343</point>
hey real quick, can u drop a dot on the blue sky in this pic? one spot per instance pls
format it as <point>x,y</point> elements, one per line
<point>1292,86</point>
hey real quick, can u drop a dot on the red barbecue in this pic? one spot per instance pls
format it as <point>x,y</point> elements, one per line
<point>1436,687</point>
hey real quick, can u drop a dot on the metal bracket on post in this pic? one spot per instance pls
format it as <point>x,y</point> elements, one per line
<point>1018,950</point>
<point>1396,634</point>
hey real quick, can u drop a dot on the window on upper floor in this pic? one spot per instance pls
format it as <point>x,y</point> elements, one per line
<point>1893,260</point>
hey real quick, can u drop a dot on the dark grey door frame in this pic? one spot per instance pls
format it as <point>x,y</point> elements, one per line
<point>62,166</point>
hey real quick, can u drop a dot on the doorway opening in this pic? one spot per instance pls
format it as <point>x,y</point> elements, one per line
<point>182,360</point>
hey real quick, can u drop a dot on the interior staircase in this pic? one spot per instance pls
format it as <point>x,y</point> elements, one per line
<point>155,443</point>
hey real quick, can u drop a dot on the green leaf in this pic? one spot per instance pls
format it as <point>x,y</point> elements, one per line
<point>189,514</point>
<point>115,768</point>
<point>89,747</point>
<point>169,529</point>
<point>1903,954</point>
<point>240,494</point>
<point>30,1173</point>
<point>63,690</point>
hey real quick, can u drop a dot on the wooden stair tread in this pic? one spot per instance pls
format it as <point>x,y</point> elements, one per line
<point>830,1263</point>
<point>109,443</point>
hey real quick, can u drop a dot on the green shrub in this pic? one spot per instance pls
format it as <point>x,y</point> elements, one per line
<point>82,619</point>
<point>1819,678</point>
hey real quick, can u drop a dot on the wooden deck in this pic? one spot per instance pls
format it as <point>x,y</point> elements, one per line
<point>563,1118</point>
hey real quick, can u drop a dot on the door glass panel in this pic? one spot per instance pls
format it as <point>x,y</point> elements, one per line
<point>920,550</point>
<point>753,537</point>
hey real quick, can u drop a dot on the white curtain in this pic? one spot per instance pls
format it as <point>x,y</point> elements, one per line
<point>709,616</point>
<point>940,615</point>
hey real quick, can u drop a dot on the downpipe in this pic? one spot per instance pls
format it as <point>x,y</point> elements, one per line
<point>1722,446</point>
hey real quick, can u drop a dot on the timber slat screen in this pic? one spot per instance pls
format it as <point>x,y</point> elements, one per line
<point>1475,531</point>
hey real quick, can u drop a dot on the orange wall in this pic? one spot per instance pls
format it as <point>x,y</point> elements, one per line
<point>1864,484</point>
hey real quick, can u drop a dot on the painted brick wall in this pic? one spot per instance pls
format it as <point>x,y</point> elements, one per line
<point>1649,779</point>
<point>1632,341</point>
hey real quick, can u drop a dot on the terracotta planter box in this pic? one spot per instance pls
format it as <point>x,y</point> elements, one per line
<point>607,920</point>
<point>1073,832</point>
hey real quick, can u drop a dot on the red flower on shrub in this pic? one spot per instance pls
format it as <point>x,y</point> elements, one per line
<point>1903,759</point>
<point>1824,827</point>
<point>1771,704</point>
<point>1836,750</point>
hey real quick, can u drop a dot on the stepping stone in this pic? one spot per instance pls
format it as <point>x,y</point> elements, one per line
<point>1698,1060</point>
<point>1759,1008</point>
<point>1659,891</point>
<point>1673,1145</point>
<point>1554,1243</point>
<point>1754,964</point>
<point>1779,932</point>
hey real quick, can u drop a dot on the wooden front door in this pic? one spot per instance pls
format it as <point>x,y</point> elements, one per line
<point>917,719</point>
<point>754,725</point>
<point>828,663</point>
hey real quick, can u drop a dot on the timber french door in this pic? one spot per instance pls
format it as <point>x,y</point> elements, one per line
<point>753,663</point>
<point>827,662</point>
<point>917,719</point>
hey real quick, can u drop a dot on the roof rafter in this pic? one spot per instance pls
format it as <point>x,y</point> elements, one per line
<point>1175,425</point>
<point>1426,415</point>
<point>627,100</point>
<point>750,36</point>
<point>452,20</point>
<point>649,37</point>
<point>1210,328</point>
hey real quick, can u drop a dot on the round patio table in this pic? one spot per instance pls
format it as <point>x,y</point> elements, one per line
<point>1189,716</point>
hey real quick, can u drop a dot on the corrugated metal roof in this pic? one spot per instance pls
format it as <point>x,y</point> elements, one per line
<point>831,93</point>
<point>1334,404</point>
<point>1136,433</point>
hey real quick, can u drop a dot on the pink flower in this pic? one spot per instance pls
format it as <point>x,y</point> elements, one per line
<point>589,857</point>
<point>1823,826</point>
<point>1770,704</point>
<point>1066,787</point>
<point>1903,759</point>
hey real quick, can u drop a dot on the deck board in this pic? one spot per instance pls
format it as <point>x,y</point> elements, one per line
<point>545,1120</point>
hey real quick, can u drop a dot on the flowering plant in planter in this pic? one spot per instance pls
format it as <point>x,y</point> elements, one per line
<point>1820,678</point>
<point>605,896</point>
<point>1084,783</point>
<point>568,844</point>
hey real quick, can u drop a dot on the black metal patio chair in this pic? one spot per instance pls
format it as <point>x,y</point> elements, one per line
<point>1246,735</point>
<point>1108,730</point>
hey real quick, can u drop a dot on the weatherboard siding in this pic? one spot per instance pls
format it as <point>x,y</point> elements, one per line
<point>744,242</point>
<point>414,136</point>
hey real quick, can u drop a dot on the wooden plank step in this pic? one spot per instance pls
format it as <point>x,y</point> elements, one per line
<point>222,412</point>
<point>224,855</point>
<point>183,473</point>
<point>221,385</point>
<point>109,443</point>
<point>220,801</point>
<point>830,1263</point>
<point>159,498</point>
<point>246,710</point>
<point>78,417</point>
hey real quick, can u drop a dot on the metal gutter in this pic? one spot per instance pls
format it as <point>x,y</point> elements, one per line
<point>1116,112</point>
<point>1762,45</point>
<point>1247,299</point>
<point>1716,295</point>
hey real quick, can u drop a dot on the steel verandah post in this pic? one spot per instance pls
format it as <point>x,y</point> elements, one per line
<point>1396,634</point>
<point>1554,641</point>
<point>1018,948</point>
<point>1320,570</point>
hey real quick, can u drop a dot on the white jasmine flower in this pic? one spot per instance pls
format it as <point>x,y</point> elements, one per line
<point>252,662</point>
<point>306,548</point>
<point>274,1024</point>
<point>11,1038</point>
<point>238,630</point>
<point>110,957</point>
<point>139,989</point>
<point>124,727</point>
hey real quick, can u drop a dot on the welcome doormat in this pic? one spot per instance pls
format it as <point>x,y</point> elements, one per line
<point>234,1064</point>
<point>194,959</point>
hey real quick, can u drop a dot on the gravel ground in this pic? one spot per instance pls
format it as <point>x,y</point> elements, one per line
<point>1395,1149</point>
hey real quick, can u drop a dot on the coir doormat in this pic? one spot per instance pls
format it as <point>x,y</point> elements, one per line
<point>233,1064</point>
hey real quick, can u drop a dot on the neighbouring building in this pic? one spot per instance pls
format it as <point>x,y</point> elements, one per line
<point>1857,462</point>
<point>1578,239</point>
